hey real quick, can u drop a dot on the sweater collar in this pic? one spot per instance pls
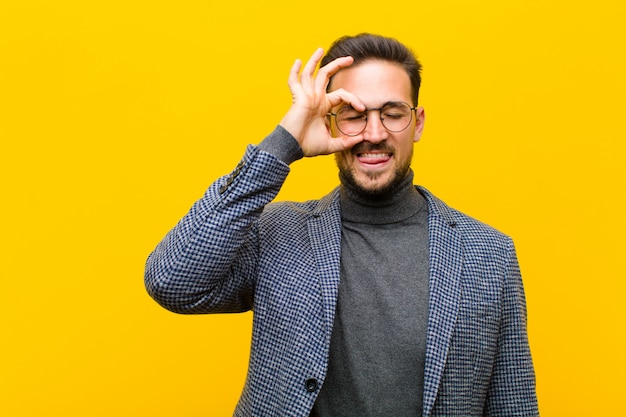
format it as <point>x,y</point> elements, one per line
<point>403,202</point>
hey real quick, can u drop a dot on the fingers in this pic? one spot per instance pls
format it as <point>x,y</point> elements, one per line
<point>342,143</point>
<point>307,77</point>
<point>330,69</point>
<point>301,79</point>
<point>342,96</point>
<point>294,74</point>
<point>311,64</point>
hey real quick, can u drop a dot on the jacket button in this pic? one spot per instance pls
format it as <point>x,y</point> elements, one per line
<point>311,384</point>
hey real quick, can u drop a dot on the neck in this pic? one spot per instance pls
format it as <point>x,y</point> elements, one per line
<point>395,205</point>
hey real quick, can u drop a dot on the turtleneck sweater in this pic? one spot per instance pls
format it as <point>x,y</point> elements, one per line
<point>378,344</point>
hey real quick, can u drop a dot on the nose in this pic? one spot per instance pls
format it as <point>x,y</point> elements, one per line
<point>375,132</point>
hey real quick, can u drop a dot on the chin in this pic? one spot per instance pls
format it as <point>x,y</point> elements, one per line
<point>372,186</point>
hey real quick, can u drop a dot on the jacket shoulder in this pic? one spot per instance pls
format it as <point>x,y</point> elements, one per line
<point>304,209</point>
<point>468,226</point>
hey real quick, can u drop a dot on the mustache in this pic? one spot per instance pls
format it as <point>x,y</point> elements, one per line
<point>363,147</point>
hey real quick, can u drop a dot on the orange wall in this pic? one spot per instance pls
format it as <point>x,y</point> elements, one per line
<point>116,115</point>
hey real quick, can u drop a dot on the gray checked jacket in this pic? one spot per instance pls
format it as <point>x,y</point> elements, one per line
<point>234,251</point>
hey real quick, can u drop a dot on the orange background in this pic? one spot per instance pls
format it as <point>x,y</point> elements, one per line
<point>115,116</point>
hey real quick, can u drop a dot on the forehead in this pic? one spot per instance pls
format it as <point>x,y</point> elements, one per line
<point>374,82</point>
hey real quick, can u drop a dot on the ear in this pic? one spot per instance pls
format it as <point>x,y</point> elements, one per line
<point>420,118</point>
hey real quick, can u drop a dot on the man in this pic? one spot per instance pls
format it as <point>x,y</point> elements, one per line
<point>376,300</point>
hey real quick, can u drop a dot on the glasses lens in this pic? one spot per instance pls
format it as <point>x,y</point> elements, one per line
<point>396,116</point>
<point>351,122</point>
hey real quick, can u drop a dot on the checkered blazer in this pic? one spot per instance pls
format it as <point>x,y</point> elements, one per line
<point>234,251</point>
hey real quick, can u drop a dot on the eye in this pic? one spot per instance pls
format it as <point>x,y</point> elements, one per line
<point>350,115</point>
<point>394,115</point>
<point>396,111</point>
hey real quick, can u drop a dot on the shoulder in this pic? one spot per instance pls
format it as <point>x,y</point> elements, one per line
<point>470,228</point>
<point>285,211</point>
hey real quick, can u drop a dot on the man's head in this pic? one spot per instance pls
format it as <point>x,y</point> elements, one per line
<point>384,75</point>
<point>366,46</point>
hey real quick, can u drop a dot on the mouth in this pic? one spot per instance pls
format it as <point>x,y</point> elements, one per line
<point>373,158</point>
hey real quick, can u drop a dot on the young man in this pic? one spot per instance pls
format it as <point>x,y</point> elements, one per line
<point>376,300</point>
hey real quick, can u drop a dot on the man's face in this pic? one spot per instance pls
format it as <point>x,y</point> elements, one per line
<point>383,158</point>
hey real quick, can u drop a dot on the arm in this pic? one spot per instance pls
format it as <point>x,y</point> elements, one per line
<point>512,386</point>
<point>207,262</point>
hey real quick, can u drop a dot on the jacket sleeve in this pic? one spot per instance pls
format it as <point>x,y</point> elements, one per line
<point>512,386</point>
<point>207,263</point>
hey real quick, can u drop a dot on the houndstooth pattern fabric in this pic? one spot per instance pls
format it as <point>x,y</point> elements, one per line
<point>235,251</point>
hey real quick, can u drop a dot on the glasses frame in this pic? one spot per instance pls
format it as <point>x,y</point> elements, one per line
<point>382,119</point>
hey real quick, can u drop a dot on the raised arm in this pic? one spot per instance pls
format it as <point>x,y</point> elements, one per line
<point>208,262</point>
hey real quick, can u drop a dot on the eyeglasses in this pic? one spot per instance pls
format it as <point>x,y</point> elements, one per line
<point>394,115</point>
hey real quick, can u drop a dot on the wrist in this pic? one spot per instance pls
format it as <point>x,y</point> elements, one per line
<point>293,124</point>
<point>282,145</point>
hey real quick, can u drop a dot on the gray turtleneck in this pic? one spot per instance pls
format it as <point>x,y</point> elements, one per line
<point>378,344</point>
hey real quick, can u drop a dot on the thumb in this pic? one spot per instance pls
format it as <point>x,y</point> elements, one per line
<point>344,143</point>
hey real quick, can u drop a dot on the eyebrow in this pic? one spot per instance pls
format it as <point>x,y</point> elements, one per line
<point>392,103</point>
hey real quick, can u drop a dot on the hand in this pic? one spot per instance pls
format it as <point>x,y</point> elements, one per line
<point>306,119</point>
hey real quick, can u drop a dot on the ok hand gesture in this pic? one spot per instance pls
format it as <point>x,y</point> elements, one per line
<point>306,119</point>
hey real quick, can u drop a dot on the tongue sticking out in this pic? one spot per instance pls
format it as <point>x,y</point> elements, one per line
<point>373,158</point>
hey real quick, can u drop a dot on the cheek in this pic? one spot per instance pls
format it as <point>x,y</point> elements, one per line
<point>343,160</point>
<point>406,148</point>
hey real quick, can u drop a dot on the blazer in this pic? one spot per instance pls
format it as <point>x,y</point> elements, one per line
<point>236,251</point>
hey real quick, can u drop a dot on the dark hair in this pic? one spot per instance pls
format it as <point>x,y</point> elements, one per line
<point>366,46</point>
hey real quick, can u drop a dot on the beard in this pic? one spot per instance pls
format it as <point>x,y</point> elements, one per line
<point>349,178</point>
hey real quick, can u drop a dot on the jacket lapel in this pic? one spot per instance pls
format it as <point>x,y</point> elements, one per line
<point>324,229</point>
<point>445,292</point>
